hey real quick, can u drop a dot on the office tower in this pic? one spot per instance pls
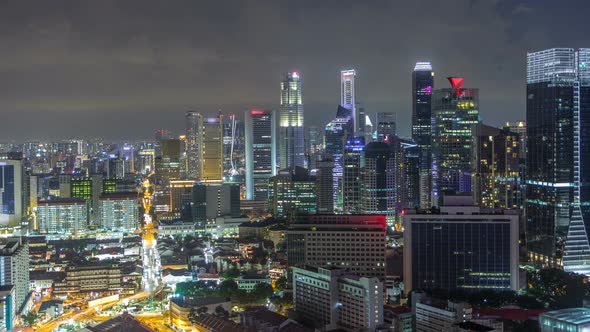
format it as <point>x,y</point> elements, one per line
<point>119,212</point>
<point>63,216</point>
<point>211,201</point>
<point>261,152</point>
<point>331,298</point>
<point>292,192</point>
<point>233,147</point>
<point>348,95</point>
<point>557,168</point>
<point>193,127</point>
<point>460,246</point>
<point>455,113</point>
<point>127,154</point>
<point>519,127</point>
<point>11,175</point>
<point>14,268</point>
<point>180,196</point>
<point>378,181</point>
<point>314,141</point>
<point>159,136</point>
<point>385,122</point>
<point>146,161</point>
<point>292,147</point>
<point>336,133</point>
<point>353,242</point>
<point>410,172</point>
<point>496,174</point>
<point>325,185</point>
<point>212,149</point>
<point>7,307</point>
<point>168,162</point>
<point>422,86</point>
<point>353,162</point>
<point>81,188</point>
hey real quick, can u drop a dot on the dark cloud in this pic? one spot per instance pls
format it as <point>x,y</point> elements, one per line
<point>118,69</point>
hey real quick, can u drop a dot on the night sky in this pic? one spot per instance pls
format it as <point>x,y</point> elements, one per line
<point>120,69</point>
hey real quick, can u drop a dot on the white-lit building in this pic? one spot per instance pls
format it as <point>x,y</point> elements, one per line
<point>565,320</point>
<point>64,216</point>
<point>119,211</point>
<point>11,208</point>
<point>14,268</point>
<point>7,308</point>
<point>335,299</point>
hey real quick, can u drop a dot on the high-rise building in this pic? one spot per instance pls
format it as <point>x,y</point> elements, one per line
<point>496,174</point>
<point>385,125</point>
<point>410,170</point>
<point>212,149</point>
<point>378,181</point>
<point>11,175</point>
<point>557,205</point>
<point>353,162</point>
<point>336,134</point>
<point>353,242</point>
<point>422,86</point>
<point>180,196</point>
<point>63,216</point>
<point>331,298</point>
<point>261,152</point>
<point>14,268</point>
<point>168,165</point>
<point>455,114</point>
<point>119,212</point>
<point>314,145</point>
<point>348,95</point>
<point>460,246</point>
<point>211,201</point>
<point>292,146</point>
<point>193,146</point>
<point>292,192</point>
<point>233,147</point>
<point>7,307</point>
<point>325,185</point>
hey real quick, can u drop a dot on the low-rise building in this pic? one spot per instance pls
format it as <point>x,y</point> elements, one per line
<point>565,320</point>
<point>181,307</point>
<point>103,277</point>
<point>433,315</point>
<point>264,320</point>
<point>248,283</point>
<point>212,323</point>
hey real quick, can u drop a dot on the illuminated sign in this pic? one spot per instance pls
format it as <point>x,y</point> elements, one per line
<point>456,83</point>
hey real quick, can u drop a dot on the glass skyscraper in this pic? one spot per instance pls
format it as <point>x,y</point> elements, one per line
<point>557,203</point>
<point>455,113</point>
<point>422,86</point>
<point>348,94</point>
<point>261,152</point>
<point>10,192</point>
<point>292,135</point>
<point>193,122</point>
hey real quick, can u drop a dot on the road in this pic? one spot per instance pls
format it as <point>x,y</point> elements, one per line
<point>89,312</point>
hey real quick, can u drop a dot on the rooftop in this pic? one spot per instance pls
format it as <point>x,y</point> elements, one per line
<point>577,316</point>
<point>124,322</point>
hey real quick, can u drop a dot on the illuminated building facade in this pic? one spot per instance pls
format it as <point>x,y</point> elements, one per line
<point>63,216</point>
<point>460,246</point>
<point>455,113</point>
<point>211,201</point>
<point>325,185</point>
<point>348,95</point>
<point>291,135</point>
<point>211,140</point>
<point>292,192</point>
<point>379,181</point>
<point>193,152</point>
<point>385,122</point>
<point>353,162</point>
<point>336,134</point>
<point>14,267</point>
<point>496,176</point>
<point>119,212</point>
<point>261,152</point>
<point>557,205</point>
<point>333,298</point>
<point>422,87</point>
<point>11,209</point>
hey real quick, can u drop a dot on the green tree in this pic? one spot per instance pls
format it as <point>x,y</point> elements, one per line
<point>280,284</point>
<point>30,318</point>
<point>231,273</point>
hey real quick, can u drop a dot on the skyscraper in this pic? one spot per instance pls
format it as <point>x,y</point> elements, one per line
<point>261,152</point>
<point>336,134</point>
<point>385,125</point>
<point>14,267</point>
<point>378,181</point>
<point>455,113</point>
<point>292,146</point>
<point>422,86</point>
<point>348,94</point>
<point>353,162</point>
<point>557,205</point>
<point>211,139</point>
<point>10,192</point>
<point>325,185</point>
<point>193,125</point>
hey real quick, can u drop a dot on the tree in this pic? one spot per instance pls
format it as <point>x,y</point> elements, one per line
<point>221,312</point>
<point>231,273</point>
<point>262,291</point>
<point>30,318</point>
<point>280,284</point>
<point>227,288</point>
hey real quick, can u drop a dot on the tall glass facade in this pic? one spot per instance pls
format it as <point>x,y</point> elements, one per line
<point>557,170</point>
<point>422,86</point>
<point>455,114</point>
<point>292,146</point>
<point>261,152</point>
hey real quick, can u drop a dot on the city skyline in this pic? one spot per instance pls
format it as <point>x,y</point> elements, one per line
<point>63,66</point>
